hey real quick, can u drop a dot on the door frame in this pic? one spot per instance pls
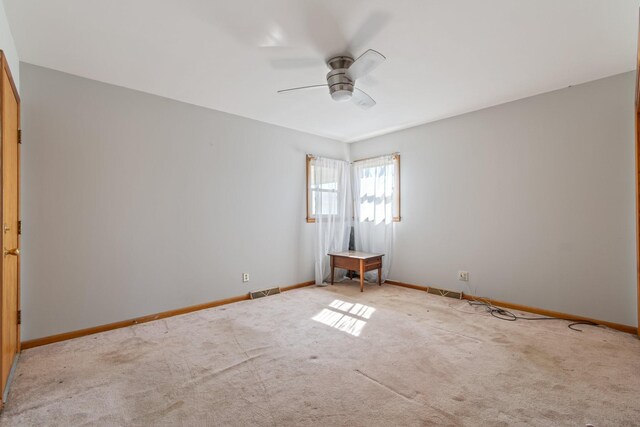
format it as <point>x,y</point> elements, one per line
<point>4,66</point>
<point>637,183</point>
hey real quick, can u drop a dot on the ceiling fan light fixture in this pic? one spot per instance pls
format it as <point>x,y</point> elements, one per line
<point>341,95</point>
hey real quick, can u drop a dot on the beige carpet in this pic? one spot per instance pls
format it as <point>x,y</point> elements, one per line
<point>333,356</point>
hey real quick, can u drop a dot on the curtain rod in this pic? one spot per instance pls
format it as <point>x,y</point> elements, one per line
<point>313,156</point>
<point>396,154</point>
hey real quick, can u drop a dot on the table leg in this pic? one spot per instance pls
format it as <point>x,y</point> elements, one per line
<point>332,268</point>
<point>361,275</point>
<point>379,276</point>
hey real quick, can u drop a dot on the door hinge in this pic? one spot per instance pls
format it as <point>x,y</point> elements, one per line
<point>19,136</point>
<point>19,227</point>
<point>19,317</point>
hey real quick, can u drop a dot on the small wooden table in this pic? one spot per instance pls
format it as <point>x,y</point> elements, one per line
<point>357,261</point>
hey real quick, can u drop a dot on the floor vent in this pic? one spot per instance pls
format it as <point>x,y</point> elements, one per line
<point>264,293</point>
<point>444,293</point>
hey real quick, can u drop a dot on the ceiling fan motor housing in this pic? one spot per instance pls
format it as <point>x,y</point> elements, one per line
<point>340,86</point>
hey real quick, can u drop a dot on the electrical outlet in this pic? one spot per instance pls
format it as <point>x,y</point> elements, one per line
<point>463,276</point>
<point>245,277</point>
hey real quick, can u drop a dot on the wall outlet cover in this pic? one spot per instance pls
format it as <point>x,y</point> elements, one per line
<point>463,276</point>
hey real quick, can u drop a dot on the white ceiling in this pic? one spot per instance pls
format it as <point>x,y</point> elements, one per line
<point>443,57</point>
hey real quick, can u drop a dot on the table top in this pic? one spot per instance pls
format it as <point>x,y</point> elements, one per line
<point>355,254</point>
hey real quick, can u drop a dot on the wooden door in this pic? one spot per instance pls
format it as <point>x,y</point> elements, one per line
<point>10,293</point>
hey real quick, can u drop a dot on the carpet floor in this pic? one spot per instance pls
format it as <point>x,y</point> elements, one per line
<point>333,356</point>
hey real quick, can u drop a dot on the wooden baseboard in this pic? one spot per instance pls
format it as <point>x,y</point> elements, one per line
<point>143,319</point>
<point>407,285</point>
<point>534,310</point>
<point>298,286</point>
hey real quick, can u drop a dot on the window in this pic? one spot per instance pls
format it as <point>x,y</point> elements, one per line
<point>326,189</point>
<point>376,189</point>
<point>375,176</point>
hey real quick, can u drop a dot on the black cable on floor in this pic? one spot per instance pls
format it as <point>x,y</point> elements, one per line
<point>502,314</point>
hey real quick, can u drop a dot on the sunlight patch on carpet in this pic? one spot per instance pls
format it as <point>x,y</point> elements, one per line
<point>345,316</point>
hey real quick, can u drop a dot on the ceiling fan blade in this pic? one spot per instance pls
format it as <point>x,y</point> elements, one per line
<point>362,100</point>
<point>369,29</point>
<point>365,63</point>
<point>258,24</point>
<point>324,30</point>
<point>302,88</point>
<point>369,80</point>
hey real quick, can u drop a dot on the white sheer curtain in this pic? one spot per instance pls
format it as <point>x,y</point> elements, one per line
<point>374,191</point>
<point>331,204</point>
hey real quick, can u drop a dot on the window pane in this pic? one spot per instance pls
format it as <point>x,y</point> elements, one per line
<point>324,203</point>
<point>322,178</point>
<point>323,189</point>
<point>376,197</point>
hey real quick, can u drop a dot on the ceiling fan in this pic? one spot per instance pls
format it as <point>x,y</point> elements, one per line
<point>341,79</point>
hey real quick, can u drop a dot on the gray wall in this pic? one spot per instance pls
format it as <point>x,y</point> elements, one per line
<point>135,204</point>
<point>8,46</point>
<point>535,198</point>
